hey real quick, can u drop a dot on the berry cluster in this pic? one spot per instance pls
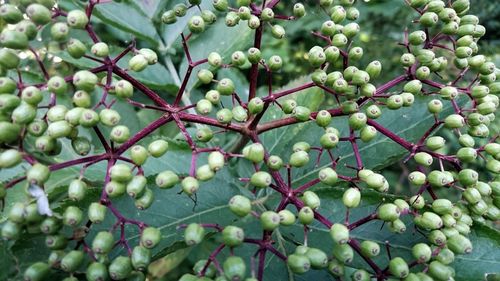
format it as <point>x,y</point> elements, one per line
<point>37,121</point>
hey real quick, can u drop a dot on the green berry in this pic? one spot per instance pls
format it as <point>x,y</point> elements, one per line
<point>10,158</point>
<point>388,212</point>
<point>339,233</point>
<point>77,189</point>
<point>136,186</point>
<point>343,253</point>
<point>72,261</point>
<point>299,159</point>
<point>240,205</point>
<point>286,217</point>
<point>328,176</point>
<point>190,185</point>
<point>10,14</point>
<point>370,248</point>
<point>59,31</point>
<point>158,148</point>
<point>306,215</point>
<point>140,258</point>
<point>85,80</point>
<point>146,200</point>
<point>115,189</point>
<point>299,264</point>
<point>96,271</point>
<point>138,63</point>
<point>38,174</point>
<point>234,268</point>
<point>36,272</point>
<point>261,179</point>
<point>194,234</point>
<point>72,216</point>
<point>13,39</point>
<point>9,59</point>
<point>96,212</point>
<point>269,220</point>
<point>422,252</point>
<point>77,19</point>
<point>398,267</point>
<point>204,173</point>
<point>166,179</point>
<point>120,268</point>
<point>423,158</point>
<point>351,197</point>
<point>216,160</point>
<point>150,237</point>
<point>233,236</point>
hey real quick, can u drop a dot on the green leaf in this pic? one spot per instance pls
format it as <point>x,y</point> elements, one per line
<point>126,16</point>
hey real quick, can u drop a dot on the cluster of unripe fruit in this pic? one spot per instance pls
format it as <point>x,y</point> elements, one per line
<point>446,224</point>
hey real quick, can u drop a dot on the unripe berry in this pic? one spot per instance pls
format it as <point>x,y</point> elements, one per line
<point>269,220</point>
<point>278,31</point>
<point>140,258</point>
<point>77,19</point>
<point>329,140</point>
<point>38,174</point>
<point>166,179</point>
<point>454,121</point>
<point>238,58</point>
<point>336,268</point>
<point>216,160</point>
<point>100,49</point>
<point>234,268</point>
<point>311,199</point>
<point>96,212</point>
<point>138,63</point>
<point>286,217</point>
<point>398,267</point>
<point>225,87</point>
<point>120,268</point>
<point>10,158</point>
<point>351,197</point>
<point>417,178</point>
<point>343,253</point>
<point>145,200</point>
<point>190,185</point>
<point>214,59</point>
<point>435,106</point>
<point>375,181</point>
<point>233,236</point>
<point>423,158</point>
<point>261,179</point>
<point>274,162</point>
<point>38,271</point>
<point>299,159</point>
<point>339,233</point>
<point>77,189</point>
<point>136,186</point>
<point>11,230</point>
<point>168,17</point>
<point>288,106</point>
<point>158,148</point>
<point>150,55</point>
<point>204,173</point>
<point>85,80</point>
<point>254,152</point>
<point>72,261</point>
<point>193,234</point>
<point>388,212</point>
<point>150,237</point>
<point>299,264</point>
<point>240,205</point>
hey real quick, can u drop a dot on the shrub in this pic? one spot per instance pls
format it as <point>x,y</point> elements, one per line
<point>113,166</point>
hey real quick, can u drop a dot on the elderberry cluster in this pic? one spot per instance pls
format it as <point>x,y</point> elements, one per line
<point>453,166</point>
